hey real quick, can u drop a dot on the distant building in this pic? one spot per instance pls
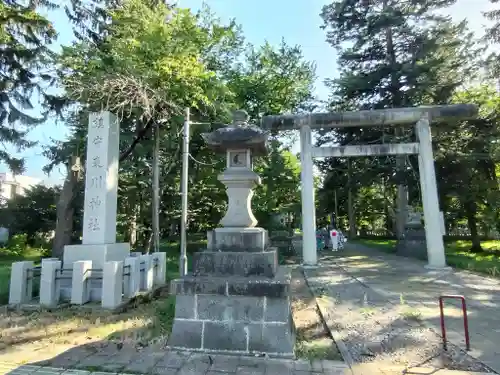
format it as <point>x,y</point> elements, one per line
<point>12,185</point>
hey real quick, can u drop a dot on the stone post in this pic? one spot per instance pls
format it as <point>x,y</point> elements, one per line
<point>21,287</point>
<point>80,283</point>
<point>133,279</point>
<point>112,285</point>
<point>147,273</point>
<point>435,247</point>
<point>160,268</point>
<point>50,291</point>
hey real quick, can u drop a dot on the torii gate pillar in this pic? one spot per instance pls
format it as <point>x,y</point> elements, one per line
<point>434,237</point>
<point>309,250</point>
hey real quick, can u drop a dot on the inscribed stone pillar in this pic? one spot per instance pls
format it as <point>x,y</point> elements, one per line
<point>101,193</point>
<point>101,179</point>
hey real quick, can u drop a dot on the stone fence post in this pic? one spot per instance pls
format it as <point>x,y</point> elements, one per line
<point>147,272</point>
<point>112,284</point>
<point>132,276</point>
<point>160,268</point>
<point>21,287</point>
<point>80,282</point>
<point>50,291</point>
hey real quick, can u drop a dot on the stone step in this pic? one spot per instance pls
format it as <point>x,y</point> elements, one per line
<point>257,286</point>
<point>226,263</point>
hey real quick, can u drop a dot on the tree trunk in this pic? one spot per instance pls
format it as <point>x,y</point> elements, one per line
<point>397,101</point>
<point>402,194</point>
<point>133,226</point>
<point>470,213</point>
<point>149,243</point>
<point>350,203</point>
<point>65,213</point>
<point>387,215</point>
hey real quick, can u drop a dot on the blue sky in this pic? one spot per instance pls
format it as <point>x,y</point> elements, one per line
<point>297,21</point>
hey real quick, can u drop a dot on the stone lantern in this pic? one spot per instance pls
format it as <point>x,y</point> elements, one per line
<point>237,298</point>
<point>240,142</point>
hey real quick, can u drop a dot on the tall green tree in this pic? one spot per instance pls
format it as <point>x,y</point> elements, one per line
<point>31,213</point>
<point>391,54</point>
<point>272,80</point>
<point>147,71</point>
<point>25,38</point>
<point>466,157</point>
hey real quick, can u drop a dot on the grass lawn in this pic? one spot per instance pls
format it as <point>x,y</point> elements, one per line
<point>40,335</point>
<point>457,254</point>
<point>5,266</point>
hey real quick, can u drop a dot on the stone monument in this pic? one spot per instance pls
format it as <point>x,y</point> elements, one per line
<point>413,243</point>
<point>99,217</point>
<point>237,298</point>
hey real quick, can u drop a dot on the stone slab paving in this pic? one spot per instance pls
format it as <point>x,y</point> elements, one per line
<point>242,368</point>
<point>180,363</point>
<point>404,280</point>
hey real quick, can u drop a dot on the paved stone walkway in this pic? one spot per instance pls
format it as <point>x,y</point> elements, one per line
<point>404,279</point>
<point>131,361</point>
<point>37,370</point>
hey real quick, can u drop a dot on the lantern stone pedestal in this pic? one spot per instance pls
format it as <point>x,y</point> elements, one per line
<point>237,300</point>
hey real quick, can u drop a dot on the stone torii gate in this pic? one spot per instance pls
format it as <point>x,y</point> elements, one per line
<point>422,117</point>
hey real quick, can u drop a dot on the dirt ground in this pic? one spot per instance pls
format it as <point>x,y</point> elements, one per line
<point>27,337</point>
<point>313,339</point>
<point>36,336</point>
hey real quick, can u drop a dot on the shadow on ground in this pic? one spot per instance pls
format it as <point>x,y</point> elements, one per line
<point>386,306</point>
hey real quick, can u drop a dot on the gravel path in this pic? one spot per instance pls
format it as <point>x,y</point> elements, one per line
<point>376,330</point>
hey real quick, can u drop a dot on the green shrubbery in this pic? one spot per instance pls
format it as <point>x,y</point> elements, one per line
<point>18,246</point>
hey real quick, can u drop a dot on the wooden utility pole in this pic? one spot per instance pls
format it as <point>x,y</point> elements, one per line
<point>156,190</point>
<point>184,192</point>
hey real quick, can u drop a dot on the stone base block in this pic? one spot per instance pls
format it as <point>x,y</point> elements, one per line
<point>256,286</point>
<point>98,254</point>
<point>413,244</point>
<point>238,239</point>
<point>234,324</point>
<point>238,263</point>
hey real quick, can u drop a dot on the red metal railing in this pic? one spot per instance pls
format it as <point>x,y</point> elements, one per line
<point>466,322</point>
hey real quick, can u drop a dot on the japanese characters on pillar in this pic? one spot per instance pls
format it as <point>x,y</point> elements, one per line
<point>101,178</point>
